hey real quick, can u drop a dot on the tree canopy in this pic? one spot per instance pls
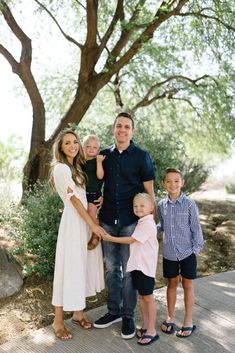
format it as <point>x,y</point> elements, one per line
<point>171,60</point>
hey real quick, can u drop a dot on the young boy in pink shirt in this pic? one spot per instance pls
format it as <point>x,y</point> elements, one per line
<point>142,264</point>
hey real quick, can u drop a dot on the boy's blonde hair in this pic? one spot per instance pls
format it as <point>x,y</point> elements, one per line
<point>144,195</point>
<point>90,137</point>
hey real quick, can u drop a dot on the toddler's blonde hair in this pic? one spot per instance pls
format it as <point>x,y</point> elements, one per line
<point>144,195</point>
<point>90,137</point>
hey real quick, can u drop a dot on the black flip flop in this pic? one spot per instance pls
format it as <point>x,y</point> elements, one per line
<point>183,329</point>
<point>140,332</point>
<point>152,339</point>
<point>168,324</point>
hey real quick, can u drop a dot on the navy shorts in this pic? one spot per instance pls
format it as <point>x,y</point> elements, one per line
<point>93,196</point>
<point>144,284</point>
<point>187,267</point>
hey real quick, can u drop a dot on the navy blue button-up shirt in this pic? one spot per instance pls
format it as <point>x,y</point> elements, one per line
<point>124,174</point>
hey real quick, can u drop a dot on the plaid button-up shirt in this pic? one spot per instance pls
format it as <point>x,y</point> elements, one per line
<point>180,223</point>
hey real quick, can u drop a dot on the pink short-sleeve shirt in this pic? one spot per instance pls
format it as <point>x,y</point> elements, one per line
<point>144,251</point>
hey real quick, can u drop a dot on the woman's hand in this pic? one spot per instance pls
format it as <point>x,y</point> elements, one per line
<point>98,230</point>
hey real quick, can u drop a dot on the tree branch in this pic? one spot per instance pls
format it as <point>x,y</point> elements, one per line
<point>70,39</point>
<point>170,93</point>
<point>23,70</point>
<point>79,3</point>
<point>116,91</point>
<point>179,77</point>
<point>9,57</point>
<point>26,53</point>
<point>126,33</point>
<point>146,101</point>
<point>91,11</point>
<point>189,103</point>
<point>160,17</point>
<point>118,15</point>
<point>199,14</point>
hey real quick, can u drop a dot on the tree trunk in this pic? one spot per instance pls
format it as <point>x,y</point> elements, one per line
<point>38,164</point>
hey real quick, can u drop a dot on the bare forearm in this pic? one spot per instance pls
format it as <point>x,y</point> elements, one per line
<point>95,228</point>
<point>99,171</point>
<point>149,188</point>
<point>81,210</point>
<point>99,166</point>
<point>119,240</point>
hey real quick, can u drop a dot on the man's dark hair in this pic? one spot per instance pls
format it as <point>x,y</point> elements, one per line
<point>125,115</point>
<point>171,170</point>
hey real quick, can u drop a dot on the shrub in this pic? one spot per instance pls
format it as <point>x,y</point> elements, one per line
<point>168,152</point>
<point>41,213</point>
<point>230,188</point>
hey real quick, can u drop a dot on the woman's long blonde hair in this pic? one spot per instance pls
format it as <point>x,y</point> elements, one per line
<point>78,175</point>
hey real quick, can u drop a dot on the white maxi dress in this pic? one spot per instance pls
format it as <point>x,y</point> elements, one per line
<point>78,273</point>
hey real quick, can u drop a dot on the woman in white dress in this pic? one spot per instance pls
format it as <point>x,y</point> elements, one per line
<point>70,276</point>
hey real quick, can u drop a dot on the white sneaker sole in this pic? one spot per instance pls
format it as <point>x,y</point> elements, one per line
<point>127,337</point>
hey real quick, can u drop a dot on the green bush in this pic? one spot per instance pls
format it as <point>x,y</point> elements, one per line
<point>41,213</point>
<point>230,188</point>
<point>168,152</point>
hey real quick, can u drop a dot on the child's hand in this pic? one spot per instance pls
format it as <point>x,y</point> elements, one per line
<point>99,202</point>
<point>106,236</point>
<point>100,158</point>
<point>98,230</point>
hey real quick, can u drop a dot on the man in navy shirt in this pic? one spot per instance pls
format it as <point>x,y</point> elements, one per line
<point>128,170</point>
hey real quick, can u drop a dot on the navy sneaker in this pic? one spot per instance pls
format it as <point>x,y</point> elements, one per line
<point>106,320</point>
<point>128,328</point>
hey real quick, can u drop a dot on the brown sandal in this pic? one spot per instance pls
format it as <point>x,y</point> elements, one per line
<point>93,242</point>
<point>63,334</point>
<point>83,323</point>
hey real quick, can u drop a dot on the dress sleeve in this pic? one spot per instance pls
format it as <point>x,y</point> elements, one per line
<point>63,180</point>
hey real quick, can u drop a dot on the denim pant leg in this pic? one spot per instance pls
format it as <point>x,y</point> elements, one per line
<point>119,285</point>
<point>129,294</point>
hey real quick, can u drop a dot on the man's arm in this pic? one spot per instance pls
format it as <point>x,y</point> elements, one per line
<point>148,186</point>
<point>160,226</point>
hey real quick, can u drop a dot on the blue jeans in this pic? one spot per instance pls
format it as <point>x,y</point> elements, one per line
<point>122,297</point>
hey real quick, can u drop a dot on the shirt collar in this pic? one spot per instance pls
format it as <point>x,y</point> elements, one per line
<point>180,199</point>
<point>146,218</point>
<point>129,148</point>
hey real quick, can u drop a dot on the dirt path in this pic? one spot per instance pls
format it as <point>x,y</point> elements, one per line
<point>217,214</point>
<point>31,308</point>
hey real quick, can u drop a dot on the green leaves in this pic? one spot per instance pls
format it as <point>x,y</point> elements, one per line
<point>41,215</point>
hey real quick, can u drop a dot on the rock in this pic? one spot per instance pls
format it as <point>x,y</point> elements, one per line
<point>10,274</point>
